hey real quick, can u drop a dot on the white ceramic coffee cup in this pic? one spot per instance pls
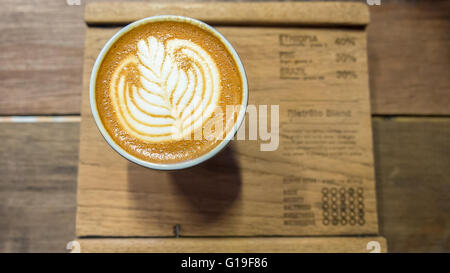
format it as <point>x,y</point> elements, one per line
<point>183,164</point>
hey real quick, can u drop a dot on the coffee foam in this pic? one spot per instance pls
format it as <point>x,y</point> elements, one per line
<point>161,82</point>
<point>178,89</point>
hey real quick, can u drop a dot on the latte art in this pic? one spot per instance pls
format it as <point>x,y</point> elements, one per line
<point>160,87</point>
<point>177,92</point>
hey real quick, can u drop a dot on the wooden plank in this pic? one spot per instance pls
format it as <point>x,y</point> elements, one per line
<point>253,192</point>
<point>41,45</point>
<point>409,58</point>
<point>241,13</point>
<point>239,245</point>
<point>413,184</point>
<point>47,79</point>
<point>38,166</point>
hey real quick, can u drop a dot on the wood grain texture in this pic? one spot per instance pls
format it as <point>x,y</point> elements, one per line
<point>41,48</point>
<point>413,183</point>
<point>240,13</point>
<point>243,191</point>
<point>409,57</point>
<point>408,64</point>
<point>239,245</point>
<point>38,166</point>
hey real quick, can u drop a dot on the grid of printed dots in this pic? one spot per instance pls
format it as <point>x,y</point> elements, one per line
<point>343,206</point>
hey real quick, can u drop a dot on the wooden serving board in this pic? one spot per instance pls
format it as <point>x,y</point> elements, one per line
<point>320,181</point>
<point>227,245</point>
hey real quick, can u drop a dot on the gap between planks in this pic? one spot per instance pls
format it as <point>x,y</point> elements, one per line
<point>32,119</point>
<point>77,118</point>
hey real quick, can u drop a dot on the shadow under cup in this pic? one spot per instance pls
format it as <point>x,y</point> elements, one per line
<point>182,164</point>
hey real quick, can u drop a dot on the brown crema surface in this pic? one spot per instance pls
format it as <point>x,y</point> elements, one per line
<point>170,151</point>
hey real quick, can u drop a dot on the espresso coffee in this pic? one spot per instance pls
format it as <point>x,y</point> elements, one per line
<point>160,84</point>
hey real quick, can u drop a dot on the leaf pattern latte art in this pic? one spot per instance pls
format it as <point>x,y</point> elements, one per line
<point>176,91</point>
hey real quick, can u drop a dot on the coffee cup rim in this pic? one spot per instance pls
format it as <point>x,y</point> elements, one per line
<point>175,165</point>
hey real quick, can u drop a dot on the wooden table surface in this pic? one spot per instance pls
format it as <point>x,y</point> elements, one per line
<point>41,49</point>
